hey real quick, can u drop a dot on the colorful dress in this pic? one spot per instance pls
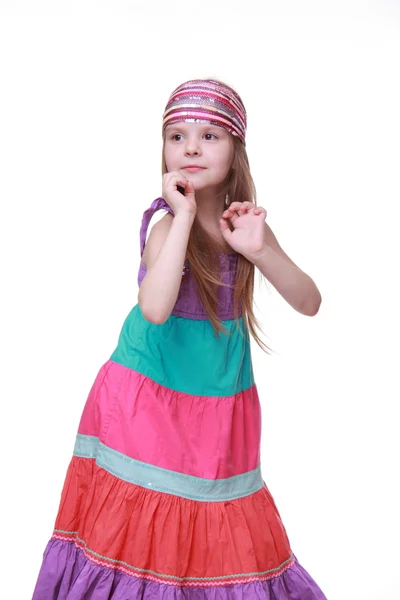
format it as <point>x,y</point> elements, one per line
<point>164,497</point>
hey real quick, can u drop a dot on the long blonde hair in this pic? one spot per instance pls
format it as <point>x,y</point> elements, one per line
<point>203,250</point>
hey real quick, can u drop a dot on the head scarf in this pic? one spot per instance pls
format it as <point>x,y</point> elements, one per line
<point>207,101</point>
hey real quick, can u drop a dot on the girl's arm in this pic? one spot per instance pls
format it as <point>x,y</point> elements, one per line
<point>165,256</point>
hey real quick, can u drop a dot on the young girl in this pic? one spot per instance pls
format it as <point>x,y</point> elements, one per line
<point>164,496</point>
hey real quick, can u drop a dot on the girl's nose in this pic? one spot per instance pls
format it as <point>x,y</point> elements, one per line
<point>192,146</point>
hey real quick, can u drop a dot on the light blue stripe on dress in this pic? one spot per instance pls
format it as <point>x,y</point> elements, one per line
<point>164,480</point>
<point>185,355</point>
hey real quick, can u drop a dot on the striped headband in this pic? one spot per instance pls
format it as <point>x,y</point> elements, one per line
<point>207,101</point>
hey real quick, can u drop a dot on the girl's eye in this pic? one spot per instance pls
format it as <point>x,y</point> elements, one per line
<point>179,135</point>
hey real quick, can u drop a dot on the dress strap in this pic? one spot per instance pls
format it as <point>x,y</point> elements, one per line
<point>147,215</point>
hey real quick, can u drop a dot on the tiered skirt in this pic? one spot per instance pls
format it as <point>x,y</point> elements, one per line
<point>164,496</point>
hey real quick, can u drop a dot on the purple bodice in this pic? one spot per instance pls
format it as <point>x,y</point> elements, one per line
<point>188,303</point>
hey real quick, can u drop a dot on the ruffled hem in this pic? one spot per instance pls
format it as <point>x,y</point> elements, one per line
<point>121,524</point>
<point>68,574</point>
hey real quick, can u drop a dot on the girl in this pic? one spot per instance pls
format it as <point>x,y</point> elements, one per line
<point>164,496</point>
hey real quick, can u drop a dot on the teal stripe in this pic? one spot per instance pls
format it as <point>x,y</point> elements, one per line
<point>185,355</point>
<point>164,480</point>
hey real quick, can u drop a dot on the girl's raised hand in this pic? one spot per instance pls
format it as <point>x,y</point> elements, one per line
<point>178,202</point>
<point>248,221</point>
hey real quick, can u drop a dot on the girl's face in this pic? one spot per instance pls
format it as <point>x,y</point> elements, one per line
<point>208,146</point>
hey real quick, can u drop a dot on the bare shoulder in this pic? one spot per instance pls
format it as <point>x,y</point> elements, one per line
<point>155,241</point>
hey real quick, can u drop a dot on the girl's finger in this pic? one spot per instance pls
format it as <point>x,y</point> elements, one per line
<point>226,232</point>
<point>239,206</point>
<point>229,214</point>
<point>233,216</point>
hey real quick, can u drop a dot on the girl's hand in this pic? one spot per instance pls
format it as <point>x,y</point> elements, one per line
<point>178,202</point>
<point>248,221</point>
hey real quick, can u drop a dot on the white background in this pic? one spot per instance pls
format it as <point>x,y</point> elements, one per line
<point>83,89</point>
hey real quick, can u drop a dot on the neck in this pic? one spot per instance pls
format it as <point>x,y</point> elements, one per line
<point>210,207</point>
<point>209,211</point>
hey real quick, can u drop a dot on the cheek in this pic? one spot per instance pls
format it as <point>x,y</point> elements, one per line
<point>169,160</point>
<point>224,166</point>
<point>224,160</point>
